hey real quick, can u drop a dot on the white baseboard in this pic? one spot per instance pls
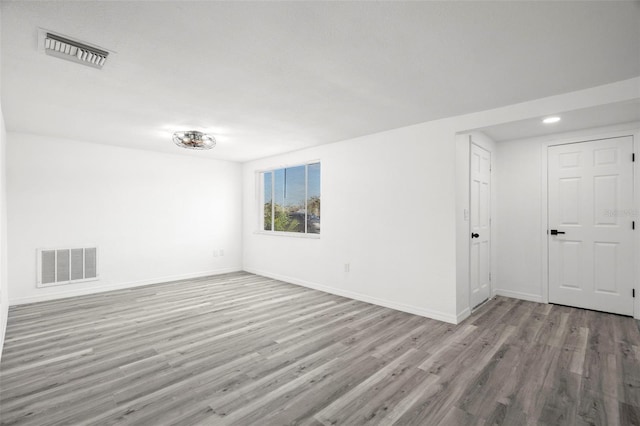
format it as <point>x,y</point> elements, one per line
<point>93,290</point>
<point>4,313</point>
<point>519,295</point>
<point>466,312</point>
<point>428,313</point>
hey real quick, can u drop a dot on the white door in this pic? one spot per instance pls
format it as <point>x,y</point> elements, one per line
<point>480,207</point>
<point>590,232</point>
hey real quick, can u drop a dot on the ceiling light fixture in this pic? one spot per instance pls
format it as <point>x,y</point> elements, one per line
<point>551,120</point>
<point>192,139</point>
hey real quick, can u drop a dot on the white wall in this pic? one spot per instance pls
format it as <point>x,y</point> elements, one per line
<point>4,283</point>
<point>521,210</point>
<point>519,232</point>
<point>4,294</point>
<point>386,204</point>
<point>390,209</point>
<point>532,269</point>
<point>155,217</point>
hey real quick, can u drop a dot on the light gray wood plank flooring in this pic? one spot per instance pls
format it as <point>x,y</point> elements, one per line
<point>240,349</point>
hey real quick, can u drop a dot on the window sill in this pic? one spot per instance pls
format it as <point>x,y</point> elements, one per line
<point>288,234</point>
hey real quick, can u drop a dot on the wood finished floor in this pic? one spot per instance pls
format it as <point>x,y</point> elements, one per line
<point>247,350</point>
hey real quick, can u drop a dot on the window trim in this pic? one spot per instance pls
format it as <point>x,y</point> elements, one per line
<point>261,200</point>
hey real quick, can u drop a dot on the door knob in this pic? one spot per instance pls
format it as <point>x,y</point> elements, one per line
<point>475,235</point>
<point>556,232</point>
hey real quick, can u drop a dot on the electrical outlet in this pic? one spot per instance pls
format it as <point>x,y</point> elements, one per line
<point>347,267</point>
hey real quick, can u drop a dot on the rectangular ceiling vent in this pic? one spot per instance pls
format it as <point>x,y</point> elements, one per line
<point>66,266</point>
<point>72,50</point>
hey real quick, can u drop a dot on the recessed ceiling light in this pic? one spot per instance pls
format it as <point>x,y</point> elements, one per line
<point>550,120</point>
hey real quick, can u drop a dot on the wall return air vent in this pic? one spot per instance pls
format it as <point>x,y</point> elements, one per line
<point>72,50</point>
<point>66,266</point>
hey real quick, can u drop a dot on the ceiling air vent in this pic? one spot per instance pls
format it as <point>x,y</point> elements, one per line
<point>72,50</point>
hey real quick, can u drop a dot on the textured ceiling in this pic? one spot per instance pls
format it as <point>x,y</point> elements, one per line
<point>271,77</point>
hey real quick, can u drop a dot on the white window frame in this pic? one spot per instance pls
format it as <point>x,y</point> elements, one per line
<point>260,199</point>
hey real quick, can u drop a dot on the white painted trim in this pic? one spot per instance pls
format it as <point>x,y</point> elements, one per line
<point>259,196</point>
<point>428,313</point>
<point>3,331</point>
<point>636,195</point>
<point>469,229</point>
<point>287,165</point>
<point>519,295</point>
<point>93,290</point>
<point>544,220</point>
<point>288,234</point>
<point>466,313</point>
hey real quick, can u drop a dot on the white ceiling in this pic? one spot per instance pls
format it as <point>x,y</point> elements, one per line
<point>602,115</point>
<point>270,77</point>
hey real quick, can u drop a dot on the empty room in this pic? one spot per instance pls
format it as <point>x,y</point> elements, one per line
<point>319,213</point>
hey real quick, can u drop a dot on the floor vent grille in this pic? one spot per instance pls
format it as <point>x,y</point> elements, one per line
<point>67,266</point>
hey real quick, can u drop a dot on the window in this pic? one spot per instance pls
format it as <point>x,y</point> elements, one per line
<point>291,199</point>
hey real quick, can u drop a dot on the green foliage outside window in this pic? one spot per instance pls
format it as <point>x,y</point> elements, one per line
<point>292,199</point>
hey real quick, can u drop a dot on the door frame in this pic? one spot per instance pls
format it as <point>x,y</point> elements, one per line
<point>491,206</point>
<point>544,207</point>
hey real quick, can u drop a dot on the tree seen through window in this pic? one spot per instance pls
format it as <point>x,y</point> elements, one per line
<point>291,199</point>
